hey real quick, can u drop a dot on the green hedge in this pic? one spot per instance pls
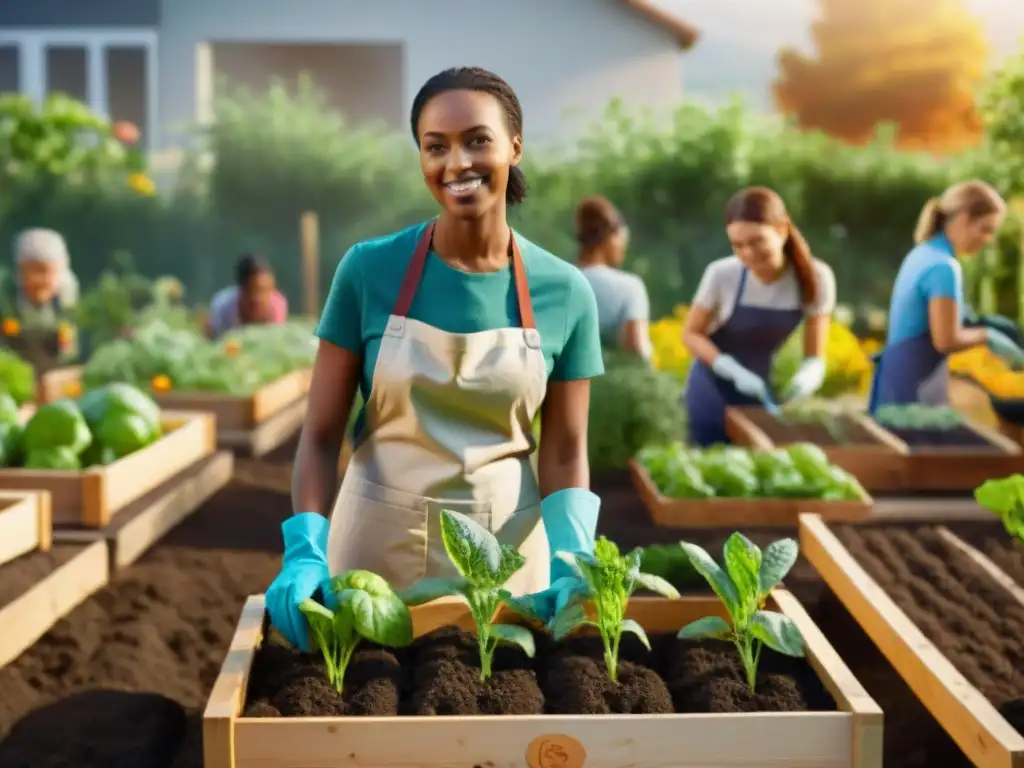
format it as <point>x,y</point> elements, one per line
<point>281,154</point>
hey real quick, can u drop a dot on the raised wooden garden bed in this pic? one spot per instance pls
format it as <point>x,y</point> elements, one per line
<point>92,497</point>
<point>737,513</point>
<point>256,424</point>
<point>867,451</point>
<point>39,581</point>
<point>846,732</point>
<point>947,619</point>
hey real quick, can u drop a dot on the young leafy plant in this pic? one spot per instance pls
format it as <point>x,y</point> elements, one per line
<point>743,587</point>
<point>485,565</point>
<point>1005,498</point>
<point>367,608</point>
<point>607,579</point>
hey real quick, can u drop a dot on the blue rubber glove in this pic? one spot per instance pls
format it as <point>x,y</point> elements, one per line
<point>1004,346</point>
<point>570,520</point>
<point>303,572</point>
<point>807,380</point>
<point>746,382</point>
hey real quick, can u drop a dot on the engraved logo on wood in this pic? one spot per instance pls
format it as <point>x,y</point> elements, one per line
<point>555,751</point>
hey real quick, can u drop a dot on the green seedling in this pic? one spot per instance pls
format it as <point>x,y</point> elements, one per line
<point>485,565</point>
<point>1005,498</point>
<point>367,609</point>
<point>607,579</point>
<point>743,587</point>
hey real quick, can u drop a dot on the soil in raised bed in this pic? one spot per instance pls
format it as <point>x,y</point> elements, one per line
<point>19,575</point>
<point>956,439</point>
<point>783,433</point>
<point>973,621</point>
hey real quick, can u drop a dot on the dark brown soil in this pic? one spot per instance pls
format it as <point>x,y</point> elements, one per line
<point>782,433</point>
<point>969,617</point>
<point>20,574</point>
<point>959,439</point>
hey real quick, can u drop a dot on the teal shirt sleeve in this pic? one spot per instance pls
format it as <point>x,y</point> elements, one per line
<point>943,281</point>
<point>580,356</point>
<point>341,321</point>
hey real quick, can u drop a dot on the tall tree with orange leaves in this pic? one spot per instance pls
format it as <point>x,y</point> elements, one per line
<point>913,63</point>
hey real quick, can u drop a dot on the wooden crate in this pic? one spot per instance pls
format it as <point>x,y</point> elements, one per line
<point>243,413</point>
<point>879,467</point>
<point>851,737</point>
<point>738,513</point>
<point>58,383</point>
<point>959,470</point>
<point>29,616</point>
<point>26,523</point>
<point>93,496</point>
<point>987,739</point>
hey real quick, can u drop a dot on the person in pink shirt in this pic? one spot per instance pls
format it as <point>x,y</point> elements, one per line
<point>253,300</point>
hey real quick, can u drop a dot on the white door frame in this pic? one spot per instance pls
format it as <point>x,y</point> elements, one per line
<point>31,44</point>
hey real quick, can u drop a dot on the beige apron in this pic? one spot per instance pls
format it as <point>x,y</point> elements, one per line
<point>448,426</point>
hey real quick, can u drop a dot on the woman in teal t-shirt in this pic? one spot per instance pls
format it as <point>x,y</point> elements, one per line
<point>456,332</point>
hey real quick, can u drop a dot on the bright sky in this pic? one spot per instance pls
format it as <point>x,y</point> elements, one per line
<point>739,40</point>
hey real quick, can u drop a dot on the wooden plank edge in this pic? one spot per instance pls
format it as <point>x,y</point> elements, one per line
<point>938,685</point>
<point>268,435</point>
<point>31,615</point>
<point>839,680</point>
<point>884,436</point>
<point>227,698</point>
<point>897,509</point>
<point>136,536</point>
<point>997,574</point>
<point>995,437</point>
<point>752,436</point>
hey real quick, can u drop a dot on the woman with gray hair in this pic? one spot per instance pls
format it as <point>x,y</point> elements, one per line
<point>45,289</point>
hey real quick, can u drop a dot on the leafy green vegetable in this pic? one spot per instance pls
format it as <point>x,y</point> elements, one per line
<point>610,578</point>
<point>57,425</point>
<point>485,565</point>
<point>1005,498</point>
<point>17,377</point>
<point>367,609</point>
<point>743,587</point>
<point>918,416</point>
<point>59,457</point>
<point>670,563</point>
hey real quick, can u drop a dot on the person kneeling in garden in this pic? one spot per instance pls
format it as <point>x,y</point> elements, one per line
<point>36,322</point>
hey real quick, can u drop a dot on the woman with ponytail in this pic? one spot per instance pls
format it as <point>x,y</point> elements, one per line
<point>455,332</point>
<point>927,307</point>
<point>745,308</point>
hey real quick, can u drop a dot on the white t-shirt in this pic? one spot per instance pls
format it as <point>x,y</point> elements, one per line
<point>721,281</point>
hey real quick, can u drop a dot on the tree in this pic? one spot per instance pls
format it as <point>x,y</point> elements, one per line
<point>913,63</point>
<point>1002,111</point>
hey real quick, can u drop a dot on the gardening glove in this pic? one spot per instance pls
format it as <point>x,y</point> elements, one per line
<point>570,521</point>
<point>303,572</point>
<point>1004,346</point>
<point>747,382</point>
<point>807,380</point>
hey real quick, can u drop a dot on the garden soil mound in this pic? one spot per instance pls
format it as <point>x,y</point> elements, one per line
<point>121,682</point>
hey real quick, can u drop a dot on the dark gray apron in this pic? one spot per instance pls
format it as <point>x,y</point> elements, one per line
<point>752,336</point>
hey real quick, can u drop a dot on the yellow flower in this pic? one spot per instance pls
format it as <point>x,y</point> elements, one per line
<point>141,184</point>
<point>161,384</point>
<point>73,389</point>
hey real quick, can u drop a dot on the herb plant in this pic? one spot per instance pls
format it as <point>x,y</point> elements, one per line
<point>367,609</point>
<point>743,587</point>
<point>1005,498</point>
<point>608,579</point>
<point>485,566</point>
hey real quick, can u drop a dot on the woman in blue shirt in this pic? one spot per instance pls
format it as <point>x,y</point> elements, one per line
<point>927,306</point>
<point>456,332</point>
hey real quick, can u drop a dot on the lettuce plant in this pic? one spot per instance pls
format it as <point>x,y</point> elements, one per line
<point>367,608</point>
<point>1005,498</point>
<point>743,587</point>
<point>485,566</point>
<point>607,579</point>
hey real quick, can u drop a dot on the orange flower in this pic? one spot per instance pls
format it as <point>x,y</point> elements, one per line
<point>65,335</point>
<point>161,384</point>
<point>11,327</point>
<point>125,132</point>
<point>232,348</point>
<point>73,389</point>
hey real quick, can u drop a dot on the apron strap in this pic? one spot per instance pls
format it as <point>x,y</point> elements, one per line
<point>739,291</point>
<point>414,272</point>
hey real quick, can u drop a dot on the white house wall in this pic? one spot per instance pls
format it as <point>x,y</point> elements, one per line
<point>566,59</point>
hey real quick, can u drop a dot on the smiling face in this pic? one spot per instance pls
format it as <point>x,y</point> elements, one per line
<point>969,235</point>
<point>40,280</point>
<point>466,151</point>
<point>758,247</point>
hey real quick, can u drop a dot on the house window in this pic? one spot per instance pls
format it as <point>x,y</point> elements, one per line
<point>113,71</point>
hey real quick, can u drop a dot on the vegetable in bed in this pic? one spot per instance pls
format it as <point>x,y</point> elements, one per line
<point>367,608</point>
<point>1005,498</point>
<point>122,418</point>
<point>608,579</point>
<point>17,378</point>
<point>743,586</point>
<point>485,565</point>
<point>56,436</point>
<point>917,416</point>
